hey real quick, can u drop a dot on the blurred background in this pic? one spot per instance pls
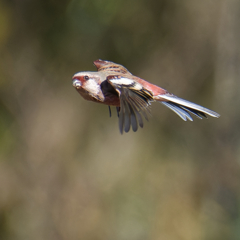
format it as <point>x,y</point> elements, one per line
<point>65,170</point>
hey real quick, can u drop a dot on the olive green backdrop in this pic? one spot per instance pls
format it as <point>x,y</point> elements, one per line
<point>67,173</point>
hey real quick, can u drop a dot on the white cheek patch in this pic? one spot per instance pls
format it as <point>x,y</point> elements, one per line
<point>122,81</point>
<point>92,86</point>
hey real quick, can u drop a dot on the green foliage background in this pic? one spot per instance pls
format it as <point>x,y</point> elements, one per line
<point>67,173</point>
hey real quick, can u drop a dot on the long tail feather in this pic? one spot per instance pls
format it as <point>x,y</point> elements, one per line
<point>180,112</point>
<point>183,107</point>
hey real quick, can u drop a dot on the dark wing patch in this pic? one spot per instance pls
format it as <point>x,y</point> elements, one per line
<point>135,102</point>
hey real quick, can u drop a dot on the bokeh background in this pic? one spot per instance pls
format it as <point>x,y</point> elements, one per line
<point>65,170</point>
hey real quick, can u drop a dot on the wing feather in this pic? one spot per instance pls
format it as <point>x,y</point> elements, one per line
<point>135,101</point>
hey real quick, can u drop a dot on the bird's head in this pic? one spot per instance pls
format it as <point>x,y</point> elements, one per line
<point>86,80</point>
<point>88,84</point>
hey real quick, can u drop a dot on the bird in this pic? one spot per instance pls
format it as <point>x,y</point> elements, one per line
<point>113,85</point>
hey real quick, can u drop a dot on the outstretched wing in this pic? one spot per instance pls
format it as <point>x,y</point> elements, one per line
<point>135,102</point>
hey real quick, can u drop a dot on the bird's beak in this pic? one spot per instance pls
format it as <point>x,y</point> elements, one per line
<point>76,83</point>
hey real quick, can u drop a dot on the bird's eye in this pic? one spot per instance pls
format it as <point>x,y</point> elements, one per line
<point>86,77</point>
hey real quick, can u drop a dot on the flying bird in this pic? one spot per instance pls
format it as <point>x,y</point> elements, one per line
<point>132,96</point>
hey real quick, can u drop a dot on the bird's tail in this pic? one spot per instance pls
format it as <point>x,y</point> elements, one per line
<point>183,107</point>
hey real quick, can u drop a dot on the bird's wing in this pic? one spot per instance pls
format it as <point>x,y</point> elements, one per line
<point>135,102</point>
<point>107,66</point>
